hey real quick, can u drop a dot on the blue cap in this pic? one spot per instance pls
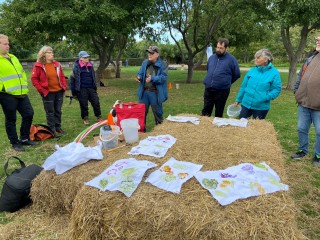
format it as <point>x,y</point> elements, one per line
<point>83,54</point>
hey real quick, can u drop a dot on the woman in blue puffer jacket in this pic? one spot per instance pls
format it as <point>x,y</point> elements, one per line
<point>260,85</point>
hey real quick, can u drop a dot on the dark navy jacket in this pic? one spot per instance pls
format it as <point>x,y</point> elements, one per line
<point>222,71</point>
<point>75,83</point>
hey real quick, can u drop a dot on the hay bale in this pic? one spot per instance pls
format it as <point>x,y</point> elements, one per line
<point>152,213</point>
<point>31,225</point>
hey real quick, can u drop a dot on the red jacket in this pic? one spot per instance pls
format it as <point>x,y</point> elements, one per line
<point>40,81</point>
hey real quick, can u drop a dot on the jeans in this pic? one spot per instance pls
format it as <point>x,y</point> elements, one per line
<point>52,105</point>
<point>10,105</point>
<point>306,116</point>
<point>246,113</point>
<point>151,99</point>
<point>214,98</point>
<point>91,95</point>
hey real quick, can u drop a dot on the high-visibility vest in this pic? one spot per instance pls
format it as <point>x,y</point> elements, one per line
<point>13,79</point>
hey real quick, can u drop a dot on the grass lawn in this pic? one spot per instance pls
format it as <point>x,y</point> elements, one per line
<point>303,178</point>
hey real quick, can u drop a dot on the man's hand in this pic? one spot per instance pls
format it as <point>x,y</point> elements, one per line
<point>137,79</point>
<point>148,79</point>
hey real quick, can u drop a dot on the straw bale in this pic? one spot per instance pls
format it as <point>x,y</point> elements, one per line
<point>28,225</point>
<point>151,213</point>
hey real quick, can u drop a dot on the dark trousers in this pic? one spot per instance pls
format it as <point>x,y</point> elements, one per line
<point>150,98</point>
<point>256,114</point>
<point>91,95</point>
<point>10,105</point>
<point>52,105</point>
<point>216,98</point>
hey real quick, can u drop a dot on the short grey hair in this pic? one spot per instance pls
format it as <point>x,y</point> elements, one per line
<point>264,53</point>
<point>42,54</point>
<point>2,36</point>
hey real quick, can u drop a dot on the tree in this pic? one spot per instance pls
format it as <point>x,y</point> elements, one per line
<point>96,24</point>
<point>199,22</point>
<point>291,16</point>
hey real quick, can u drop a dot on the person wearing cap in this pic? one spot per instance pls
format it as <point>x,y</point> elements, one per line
<point>49,80</point>
<point>13,97</point>
<point>260,85</point>
<point>307,94</point>
<point>153,89</point>
<point>223,70</point>
<point>83,86</point>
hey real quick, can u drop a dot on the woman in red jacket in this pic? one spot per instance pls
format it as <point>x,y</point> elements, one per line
<point>48,78</point>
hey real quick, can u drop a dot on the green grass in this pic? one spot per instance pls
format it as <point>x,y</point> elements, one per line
<point>304,178</point>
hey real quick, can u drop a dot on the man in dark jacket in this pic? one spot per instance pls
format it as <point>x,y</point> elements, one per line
<point>83,86</point>
<point>307,94</point>
<point>153,89</point>
<point>223,70</point>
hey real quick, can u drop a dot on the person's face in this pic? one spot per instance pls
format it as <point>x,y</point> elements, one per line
<point>220,49</point>
<point>318,43</point>
<point>4,46</point>
<point>152,57</point>
<point>84,59</point>
<point>49,56</point>
<point>261,61</point>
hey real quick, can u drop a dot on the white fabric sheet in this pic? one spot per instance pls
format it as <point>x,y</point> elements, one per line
<point>173,174</point>
<point>123,175</point>
<point>241,181</point>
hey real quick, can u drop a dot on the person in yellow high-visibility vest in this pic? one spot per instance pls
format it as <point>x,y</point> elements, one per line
<point>13,97</point>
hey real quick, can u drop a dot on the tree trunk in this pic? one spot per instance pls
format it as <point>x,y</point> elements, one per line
<point>292,74</point>
<point>118,69</point>
<point>190,70</point>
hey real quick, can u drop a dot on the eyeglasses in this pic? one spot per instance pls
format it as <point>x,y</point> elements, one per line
<point>151,53</point>
<point>85,57</point>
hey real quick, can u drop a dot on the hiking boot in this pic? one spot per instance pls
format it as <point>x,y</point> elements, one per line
<point>316,161</point>
<point>18,147</point>
<point>59,130</point>
<point>27,142</point>
<point>56,134</point>
<point>298,155</point>
<point>99,119</point>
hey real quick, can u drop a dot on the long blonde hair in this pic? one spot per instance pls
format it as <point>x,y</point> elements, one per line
<point>41,57</point>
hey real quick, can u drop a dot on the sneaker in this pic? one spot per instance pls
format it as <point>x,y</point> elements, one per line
<point>28,142</point>
<point>86,122</point>
<point>298,155</point>
<point>59,130</point>
<point>316,161</point>
<point>18,147</point>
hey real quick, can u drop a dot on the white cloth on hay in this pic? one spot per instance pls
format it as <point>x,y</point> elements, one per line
<point>154,146</point>
<point>71,155</point>
<point>241,181</point>
<point>184,119</point>
<point>221,122</point>
<point>173,174</point>
<point>124,175</point>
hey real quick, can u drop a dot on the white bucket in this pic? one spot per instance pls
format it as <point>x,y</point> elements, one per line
<point>233,111</point>
<point>130,127</point>
<point>109,136</point>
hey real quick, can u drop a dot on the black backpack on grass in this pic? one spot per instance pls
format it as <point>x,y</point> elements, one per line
<point>15,193</point>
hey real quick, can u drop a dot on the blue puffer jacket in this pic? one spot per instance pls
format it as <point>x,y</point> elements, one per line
<point>260,85</point>
<point>160,79</point>
<point>222,71</point>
